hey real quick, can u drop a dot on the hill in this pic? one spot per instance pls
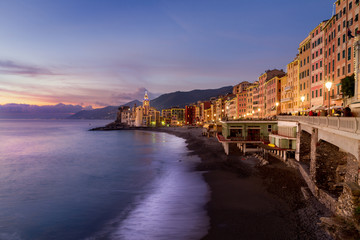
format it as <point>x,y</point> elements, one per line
<point>168,100</point>
<point>181,99</point>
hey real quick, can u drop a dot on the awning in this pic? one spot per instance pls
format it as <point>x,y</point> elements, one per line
<point>318,107</point>
<point>336,107</point>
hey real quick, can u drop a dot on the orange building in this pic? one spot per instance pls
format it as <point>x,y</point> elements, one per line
<point>241,104</point>
<point>304,72</point>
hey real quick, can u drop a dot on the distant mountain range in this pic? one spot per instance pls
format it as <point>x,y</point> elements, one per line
<point>61,111</point>
<point>26,111</point>
<point>168,100</point>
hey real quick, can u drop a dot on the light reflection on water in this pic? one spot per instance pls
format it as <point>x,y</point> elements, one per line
<point>60,181</point>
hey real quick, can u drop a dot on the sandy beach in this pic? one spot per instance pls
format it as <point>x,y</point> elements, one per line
<point>252,202</point>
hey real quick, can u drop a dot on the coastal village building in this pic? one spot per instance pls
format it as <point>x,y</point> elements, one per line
<point>230,107</point>
<point>241,99</point>
<point>269,74</point>
<point>345,27</point>
<point>240,90</point>
<point>330,55</point>
<point>304,72</point>
<point>272,96</point>
<point>241,87</point>
<point>140,116</point>
<point>317,61</point>
<point>190,115</point>
<point>220,108</point>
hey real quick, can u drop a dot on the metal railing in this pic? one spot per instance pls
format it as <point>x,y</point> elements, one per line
<point>347,124</point>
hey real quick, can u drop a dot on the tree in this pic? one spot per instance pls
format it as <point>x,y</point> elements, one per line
<point>348,86</point>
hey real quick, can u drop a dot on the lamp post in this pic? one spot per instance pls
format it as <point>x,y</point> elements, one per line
<point>277,105</point>
<point>328,86</point>
<point>258,113</point>
<point>302,102</point>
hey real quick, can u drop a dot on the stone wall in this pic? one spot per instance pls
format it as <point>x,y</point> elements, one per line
<point>348,201</point>
<point>330,167</point>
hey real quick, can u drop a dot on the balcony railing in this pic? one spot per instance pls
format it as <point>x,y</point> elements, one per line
<point>288,88</point>
<point>286,99</point>
<point>347,124</point>
<point>337,97</point>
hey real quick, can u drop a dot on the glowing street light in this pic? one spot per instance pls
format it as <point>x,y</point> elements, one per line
<point>328,86</point>
<point>302,102</point>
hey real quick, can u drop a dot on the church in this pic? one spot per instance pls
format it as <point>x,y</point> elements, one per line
<point>139,116</point>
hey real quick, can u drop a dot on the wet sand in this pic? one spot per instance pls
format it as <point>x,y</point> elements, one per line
<point>251,202</point>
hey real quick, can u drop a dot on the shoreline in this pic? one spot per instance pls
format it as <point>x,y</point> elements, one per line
<point>250,202</point>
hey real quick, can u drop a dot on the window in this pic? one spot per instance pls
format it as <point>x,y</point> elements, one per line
<point>313,67</point>
<point>316,93</point>
<point>312,94</point>
<point>349,53</point>
<point>320,63</point>
<point>343,70</point>
<point>316,54</point>
<point>349,68</point>
<point>317,65</point>
<point>333,65</point>
<point>344,38</point>
<point>356,18</point>
<point>338,41</point>
<point>304,86</point>
<point>300,87</point>
<point>316,77</point>
<point>343,54</point>
<point>312,79</point>
<point>339,28</point>
<point>308,59</point>
<point>333,48</point>
<point>338,72</point>
<point>308,72</point>
<point>329,67</point>
<point>338,57</point>
<point>350,5</point>
<point>320,51</point>
<point>320,76</point>
<point>320,92</point>
<point>313,56</point>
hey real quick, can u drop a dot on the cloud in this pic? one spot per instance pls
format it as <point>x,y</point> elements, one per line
<point>12,68</point>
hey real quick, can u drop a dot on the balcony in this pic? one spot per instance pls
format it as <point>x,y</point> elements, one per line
<point>286,100</point>
<point>337,97</point>
<point>287,88</point>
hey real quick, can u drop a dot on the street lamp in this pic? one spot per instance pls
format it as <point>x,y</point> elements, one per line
<point>328,86</point>
<point>302,102</point>
<point>276,104</point>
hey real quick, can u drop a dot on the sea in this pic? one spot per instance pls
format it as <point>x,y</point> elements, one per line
<point>60,181</point>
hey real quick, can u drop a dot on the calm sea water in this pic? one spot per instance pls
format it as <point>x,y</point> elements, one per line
<point>60,181</point>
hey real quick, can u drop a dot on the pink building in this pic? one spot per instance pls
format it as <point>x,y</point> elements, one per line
<point>317,66</point>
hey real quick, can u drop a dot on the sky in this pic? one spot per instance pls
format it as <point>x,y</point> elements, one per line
<point>108,52</point>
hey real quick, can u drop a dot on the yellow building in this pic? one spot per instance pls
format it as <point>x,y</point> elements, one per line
<point>290,89</point>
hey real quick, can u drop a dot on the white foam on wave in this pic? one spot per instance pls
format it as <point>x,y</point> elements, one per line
<point>174,210</point>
